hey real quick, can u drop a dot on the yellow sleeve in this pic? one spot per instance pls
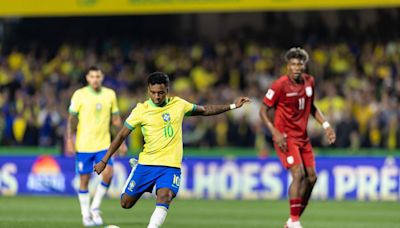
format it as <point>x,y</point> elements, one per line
<point>114,105</point>
<point>134,118</point>
<point>188,107</point>
<point>75,105</point>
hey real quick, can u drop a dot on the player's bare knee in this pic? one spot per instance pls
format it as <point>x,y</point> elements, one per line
<point>165,197</point>
<point>298,175</point>
<point>312,179</point>
<point>126,204</point>
<point>107,178</point>
<point>298,178</point>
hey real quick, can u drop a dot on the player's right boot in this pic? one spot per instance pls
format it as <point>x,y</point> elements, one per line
<point>133,162</point>
<point>96,217</point>
<point>88,221</point>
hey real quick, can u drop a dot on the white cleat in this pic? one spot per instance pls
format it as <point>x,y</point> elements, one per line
<point>288,223</point>
<point>295,225</point>
<point>133,162</point>
<point>98,221</point>
<point>88,221</point>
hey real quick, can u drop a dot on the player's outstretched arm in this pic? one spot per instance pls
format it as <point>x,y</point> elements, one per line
<point>329,132</point>
<point>116,143</point>
<point>117,124</point>
<point>209,110</point>
<point>278,137</point>
<point>72,124</point>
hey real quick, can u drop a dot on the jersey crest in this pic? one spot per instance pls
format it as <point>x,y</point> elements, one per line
<point>166,117</point>
<point>132,184</point>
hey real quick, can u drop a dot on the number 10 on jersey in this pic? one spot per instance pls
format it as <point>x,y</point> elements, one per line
<point>168,130</point>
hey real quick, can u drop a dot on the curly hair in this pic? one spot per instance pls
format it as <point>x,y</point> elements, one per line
<point>297,53</point>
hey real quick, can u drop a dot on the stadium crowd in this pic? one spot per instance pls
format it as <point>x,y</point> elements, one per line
<point>357,87</point>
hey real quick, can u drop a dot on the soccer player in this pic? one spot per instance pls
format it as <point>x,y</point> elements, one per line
<point>160,119</point>
<point>292,98</point>
<point>92,109</point>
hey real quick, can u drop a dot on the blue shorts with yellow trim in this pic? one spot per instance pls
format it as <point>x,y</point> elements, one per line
<point>86,161</point>
<point>145,177</point>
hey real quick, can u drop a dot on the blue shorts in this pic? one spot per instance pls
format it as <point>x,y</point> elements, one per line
<point>144,177</point>
<point>84,162</point>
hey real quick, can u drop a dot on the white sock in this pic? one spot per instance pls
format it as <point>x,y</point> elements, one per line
<point>158,217</point>
<point>98,197</point>
<point>84,200</point>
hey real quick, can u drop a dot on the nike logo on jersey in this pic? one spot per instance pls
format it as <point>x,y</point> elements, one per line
<point>292,94</point>
<point>270,94</point>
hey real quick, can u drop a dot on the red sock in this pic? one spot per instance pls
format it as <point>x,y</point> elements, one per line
<point>304,203</point>
<point>295,209</point>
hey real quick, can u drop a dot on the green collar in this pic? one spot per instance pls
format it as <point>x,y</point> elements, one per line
<point>158,106</point>
<point>94,91</point>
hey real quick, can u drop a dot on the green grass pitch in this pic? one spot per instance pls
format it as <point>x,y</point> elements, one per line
<point>62,212</point>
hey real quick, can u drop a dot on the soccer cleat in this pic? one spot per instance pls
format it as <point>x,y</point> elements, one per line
<point>98,221</point>
<point>133,162</point>
<point>87,222</point>
<point>288,223</point>
<point>295,225</point>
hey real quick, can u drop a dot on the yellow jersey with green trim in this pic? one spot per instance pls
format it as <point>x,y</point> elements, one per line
<point>94,110</point>
<point>162,130</point>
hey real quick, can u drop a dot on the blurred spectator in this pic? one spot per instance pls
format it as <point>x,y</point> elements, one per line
<point>359,89</point>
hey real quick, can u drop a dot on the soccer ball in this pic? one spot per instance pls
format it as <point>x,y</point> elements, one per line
<point>111,226</point>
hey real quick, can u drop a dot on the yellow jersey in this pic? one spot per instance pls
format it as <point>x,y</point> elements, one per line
<point>94,111</point>
<point>162,130</point>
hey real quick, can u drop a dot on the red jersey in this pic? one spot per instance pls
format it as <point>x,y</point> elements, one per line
<point>292,103</point>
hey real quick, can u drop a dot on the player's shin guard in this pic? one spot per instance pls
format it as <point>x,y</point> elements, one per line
<point>98,197</point>
<point>84,200</point>
<point>159,215</point>
<point>295,209</point>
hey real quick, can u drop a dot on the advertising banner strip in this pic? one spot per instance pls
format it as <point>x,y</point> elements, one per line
<point>119,7</point>
<point>339,178</point>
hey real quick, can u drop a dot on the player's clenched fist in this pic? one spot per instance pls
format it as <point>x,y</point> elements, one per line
<point>99,167</point>
<point>240,101</point>
<point>330,134</point>
<point>280,140</point>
